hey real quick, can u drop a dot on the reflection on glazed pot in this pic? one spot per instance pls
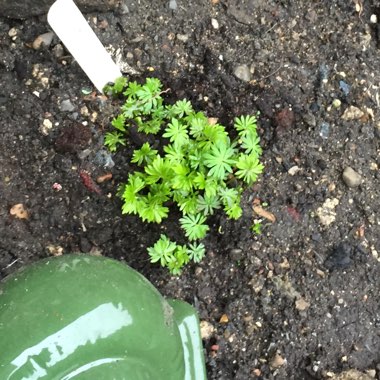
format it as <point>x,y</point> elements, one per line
<point>84,317</point>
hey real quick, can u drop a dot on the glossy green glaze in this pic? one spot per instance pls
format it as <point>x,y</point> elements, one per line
<point>84,317</point>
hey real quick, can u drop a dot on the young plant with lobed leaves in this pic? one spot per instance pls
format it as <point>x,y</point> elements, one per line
<point>199,167</point>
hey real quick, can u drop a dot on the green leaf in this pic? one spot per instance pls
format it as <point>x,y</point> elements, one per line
<point>234,212</point>
<point>183,178</point>
<point>153,211</point>
<point>174,153</point>
<point>119,122</point>
<point>113,139</point>
<point>220,160</point>
<point>196,159</point>
<point>132,89</point>
<point>159,169</point>
<point>132,201</point>
<point>249,168</point>
<point>196,252</point>
<point>211,188</point>
<point>117,87</point>
<point>200,182</point>
<point>256,228</point>
<point>194,226</point>
<point>176,133</point>
<point>215,134</point>
<point>162,251</point>
<point>152,126</point>
<point>181,108</point>
<point>207,204</point>
<point>250,142</point>
<point>187,203</point>
<point>195,172</point>
<point>144,155</point>
<point>131,109</point>
<point>149,94</point>
<point>161,191</point>
<point>245,123</point>
<point>180,259</point>
<point>197,124</point>
<point>229,196</point>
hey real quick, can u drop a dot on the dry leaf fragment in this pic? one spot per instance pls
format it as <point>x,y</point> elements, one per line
<point>361,231</point>
<point>212,120</point>
<point>104,177</point>
<point>224,319</point>
<point>302,304</point>
<point>256,202</point>
<point>19,211</point>
<point>264,213</point>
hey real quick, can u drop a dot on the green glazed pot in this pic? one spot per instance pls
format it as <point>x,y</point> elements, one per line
<point>85,317</point>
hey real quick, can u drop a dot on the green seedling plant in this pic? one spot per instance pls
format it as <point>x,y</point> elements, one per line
<point>197,166</point>
<point>256,227</point>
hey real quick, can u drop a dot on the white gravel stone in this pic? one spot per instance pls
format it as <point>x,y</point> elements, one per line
<point>215,23</point>
<point>242,72</point>
<point>43,40</point>
<point>351,178</point>
<point>326,213</point>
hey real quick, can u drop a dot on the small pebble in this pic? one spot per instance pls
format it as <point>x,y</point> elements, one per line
<point>351,178</point>
<point>326,213</point>
<point>182,37</point>
<point>67,106</point>
<point>324,130</point>
<point>12,32</point>
<point>19,211</point>
<point>324,73</point>
<point>294,170</point>
<point>215,23</point>
<point>302,304</point>
<point>373,19</point>
<point>58,51</point>
<point>344,87</point>
<point>86,91</point>
<point>352,113</point>
<point>173,5</point>
<point>336,103</point>
<point>104,159</point>
<point>243,72</point>
<point>371,373</point>
<point>277,361</point>
<point>309,119</point>
<point>43,40</point>
<point>207,329</point>
<point>46,127</point>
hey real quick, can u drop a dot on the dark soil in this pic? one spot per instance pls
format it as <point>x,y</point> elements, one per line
<point>304,292</point>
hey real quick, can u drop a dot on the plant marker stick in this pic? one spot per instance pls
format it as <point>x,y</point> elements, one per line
<point>71,27</point>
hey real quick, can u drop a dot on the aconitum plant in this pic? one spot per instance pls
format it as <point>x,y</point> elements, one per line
<point>201,168</point>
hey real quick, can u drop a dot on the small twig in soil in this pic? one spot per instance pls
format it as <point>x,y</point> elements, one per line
<point>13,262</point>
<point>274,72</point>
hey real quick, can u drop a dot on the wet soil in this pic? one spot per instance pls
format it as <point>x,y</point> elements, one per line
<point>300,300</point>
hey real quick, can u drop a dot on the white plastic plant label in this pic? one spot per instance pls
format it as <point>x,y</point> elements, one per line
<point>71,27</point>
